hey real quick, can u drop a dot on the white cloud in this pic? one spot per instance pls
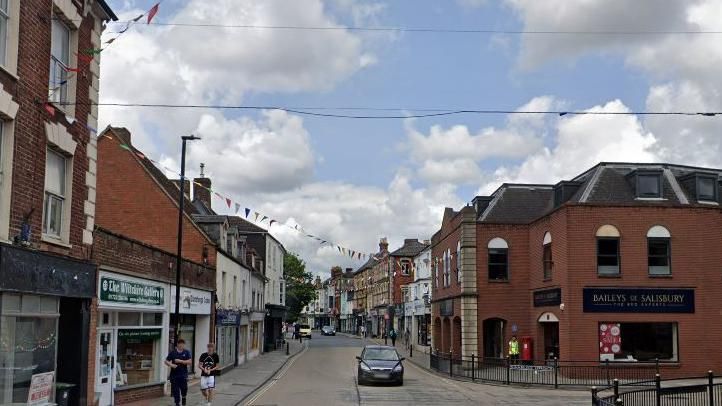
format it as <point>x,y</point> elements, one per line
<point>580,143</point>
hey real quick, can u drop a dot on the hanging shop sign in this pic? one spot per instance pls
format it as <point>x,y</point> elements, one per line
<point>548,297</point>
<point>638,300</point>
<point>193,301</point>
<point>118,290</point>
<point>225,317</point>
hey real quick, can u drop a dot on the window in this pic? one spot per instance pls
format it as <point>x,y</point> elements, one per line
<point>405,267</point>
<point>658,251</point>
<point>59,61</point>
<point>707,188</point>
<point>649,185</point>
<point>638,341</point>
<point>55,168</point>
<point>447,268</point>
<point>498,260</point>
<point>458,262</point>
<point>4,17</point>
<point>608,250</point>
<point>547,258</point>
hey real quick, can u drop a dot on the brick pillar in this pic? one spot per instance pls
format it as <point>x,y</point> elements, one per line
<point>469,301</point>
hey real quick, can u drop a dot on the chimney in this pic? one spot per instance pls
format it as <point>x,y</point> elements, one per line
<point>186,187</point>
<point>383,245</point>
<point>202,193</point>
<point>481,203</point>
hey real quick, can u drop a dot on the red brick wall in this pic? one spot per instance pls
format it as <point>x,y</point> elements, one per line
<point>30,138</point>
<point>446,238</point>
<point>123,397</point>
<point>131,203</point>
<point>399,278</point>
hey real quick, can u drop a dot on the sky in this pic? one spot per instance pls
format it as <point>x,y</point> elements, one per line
<point>354,181</point>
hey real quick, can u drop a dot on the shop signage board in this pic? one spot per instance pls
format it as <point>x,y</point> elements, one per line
<point>227,317</point>
<point>638,300</point>
<point>119,290</point>
<point>193,301</point>
<point>139,335</point>
<point>548,297</point>
<point>41,387</point>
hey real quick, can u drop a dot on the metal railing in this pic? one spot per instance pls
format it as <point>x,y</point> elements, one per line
<point>703,391</point>
<point>549,372</point>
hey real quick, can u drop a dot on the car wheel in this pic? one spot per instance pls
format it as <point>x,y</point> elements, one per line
<point>401,382</point>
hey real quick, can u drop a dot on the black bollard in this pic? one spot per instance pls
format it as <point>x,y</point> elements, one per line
<point>287,351</point>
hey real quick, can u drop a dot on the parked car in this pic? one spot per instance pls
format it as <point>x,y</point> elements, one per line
<point>305,331</point>
<point>380,364</point>
<point>328,331</point>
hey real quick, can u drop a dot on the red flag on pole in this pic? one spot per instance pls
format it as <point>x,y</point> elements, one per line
<point>152,12</point>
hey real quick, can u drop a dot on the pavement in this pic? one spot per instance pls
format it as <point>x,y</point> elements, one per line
<point>235,385</point>
<point>325,374</point>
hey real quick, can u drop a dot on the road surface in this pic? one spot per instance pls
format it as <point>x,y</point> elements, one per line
<point>324,374</point>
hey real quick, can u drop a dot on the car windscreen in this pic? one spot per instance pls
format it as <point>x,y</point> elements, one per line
<point>305,326</point>
<point>381,354</point>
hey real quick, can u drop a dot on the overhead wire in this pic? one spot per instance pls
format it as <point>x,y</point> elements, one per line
<point>316,111</point>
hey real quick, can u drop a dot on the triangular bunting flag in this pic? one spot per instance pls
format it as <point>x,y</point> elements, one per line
<point>323,242</point>
<point>248,211</point>
<point>271,223</point>
<point>256,216</point>
<point>140,155</point>
<point>228,202</point>
<point>218,195</point>
<point>238,207</point>
<point>135,20</point>
<point>124,29</point>
<point>84,58</point>
<point>110,41</point>
<point>50,109</point>
<point>339,248</point>
<point>93,51</point>
<point>125,147</point>
<point>152,12</point>
<point>264,218</point>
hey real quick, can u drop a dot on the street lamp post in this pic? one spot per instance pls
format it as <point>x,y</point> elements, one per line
<point>179,258</point>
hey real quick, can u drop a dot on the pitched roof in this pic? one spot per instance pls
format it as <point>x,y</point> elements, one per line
<point>367,265</point>
<point>411,248</point>
<point>518,204</point>
<point>199,218</point>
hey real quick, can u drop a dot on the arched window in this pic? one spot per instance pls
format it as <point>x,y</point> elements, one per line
<point>547,256</point>
<point>608,258</point>
<point>658,251</point>
<point>498,259</point>
<point>458,262</point>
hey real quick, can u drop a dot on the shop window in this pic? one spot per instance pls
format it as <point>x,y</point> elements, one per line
<point>243,340</point>
<point>129,319</point>
<point>28,343</point>
<point>254,335</point>
<point>498,260</point>
<point>152,319</point>
<point>641,342</point>
<point>138,356</point>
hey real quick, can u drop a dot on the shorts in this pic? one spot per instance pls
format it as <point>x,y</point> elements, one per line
<point>208,382</point>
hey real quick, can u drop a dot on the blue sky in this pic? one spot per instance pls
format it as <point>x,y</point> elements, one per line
<point>341,175</point>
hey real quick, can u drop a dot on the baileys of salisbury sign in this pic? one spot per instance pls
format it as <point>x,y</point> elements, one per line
<point>638,300</point>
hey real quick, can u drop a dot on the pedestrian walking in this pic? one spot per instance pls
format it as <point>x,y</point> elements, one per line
<point>363,331</point>
<point>210,364</point>
<point>178,360</point>
<point>407,336</point>
<point>392,335</point>
<point>514,350</point>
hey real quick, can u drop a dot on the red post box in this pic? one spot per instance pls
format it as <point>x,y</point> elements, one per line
<point>527,348</point>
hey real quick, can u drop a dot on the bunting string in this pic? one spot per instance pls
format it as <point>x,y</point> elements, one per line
<point>230,202</point>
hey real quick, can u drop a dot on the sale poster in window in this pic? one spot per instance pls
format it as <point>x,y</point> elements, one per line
<point>610,338</point>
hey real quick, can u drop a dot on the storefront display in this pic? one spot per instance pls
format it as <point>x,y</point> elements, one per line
<point>132,320</point>
<point>28,342</point>
<point>227,336</point>
<point>633,342</point>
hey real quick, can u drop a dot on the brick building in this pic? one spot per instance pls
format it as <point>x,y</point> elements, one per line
<point>402,264</point>
<point>47,192</point>
<point>619,264</point>
<point>135,317</point>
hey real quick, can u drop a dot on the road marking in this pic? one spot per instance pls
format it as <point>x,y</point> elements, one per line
<point>277,377</point>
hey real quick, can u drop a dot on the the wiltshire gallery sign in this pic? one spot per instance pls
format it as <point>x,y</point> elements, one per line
<point>638,300</point>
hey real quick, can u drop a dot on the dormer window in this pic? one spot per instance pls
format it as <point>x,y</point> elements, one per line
<point>649,185</point>
<point>706,188</point>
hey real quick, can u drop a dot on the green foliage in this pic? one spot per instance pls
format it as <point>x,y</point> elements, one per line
<point>300,290</point>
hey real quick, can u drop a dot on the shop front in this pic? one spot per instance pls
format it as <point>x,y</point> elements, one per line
<point>255,333</point>
<point>132,327</point>
<point>422,322</point>
<point>44,322</point>
<point>639,324</point>
<point>227,337</point>
<point>194,320</point>
<point>243,338</point>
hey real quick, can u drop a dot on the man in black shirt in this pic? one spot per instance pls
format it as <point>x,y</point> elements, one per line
<point>178,360</point>
<point>209,364</point>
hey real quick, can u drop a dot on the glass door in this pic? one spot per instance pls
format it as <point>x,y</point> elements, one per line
<point>105,366</point>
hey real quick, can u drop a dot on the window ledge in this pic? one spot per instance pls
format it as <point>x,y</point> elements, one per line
<point>659,199</point>
<point>6,70</point>
<point>661,276</point>
<point>55,241</point>
<point>547,280</point>
<point>138,386</point>
<point>709,202</point>
<point>498,280</point>
<point>617,276</point>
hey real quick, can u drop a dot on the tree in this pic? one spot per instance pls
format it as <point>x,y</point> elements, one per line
<point>300,290</point>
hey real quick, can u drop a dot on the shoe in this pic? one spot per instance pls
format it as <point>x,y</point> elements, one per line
<point>183,401</point>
